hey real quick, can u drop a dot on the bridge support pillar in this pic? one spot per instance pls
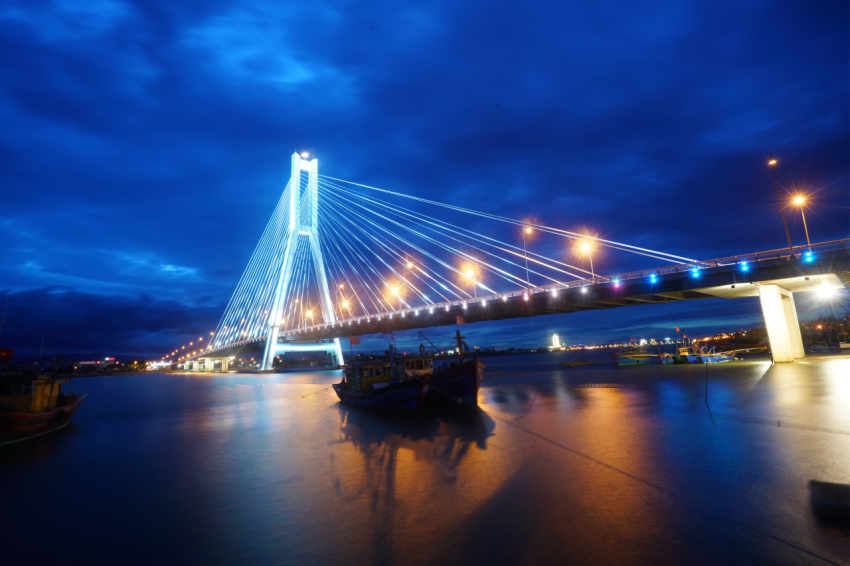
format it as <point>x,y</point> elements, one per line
<point>780,319</point>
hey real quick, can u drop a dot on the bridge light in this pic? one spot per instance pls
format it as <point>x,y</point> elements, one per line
<point>483,303</point>
<point>431,311</point>
<point>584,289</point>
<point>464,306</point>
<point>772,162</point>
<point>652,278</point>
<point>505,298</point>
<point>528,230</point>
<point>744,266</point>
<point>305,155</point>
<point>525,296</point>
<point>616,282</point>
<point>695,271</point>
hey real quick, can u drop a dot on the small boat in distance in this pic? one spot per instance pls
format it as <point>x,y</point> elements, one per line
<point>31,407</point>
<point>578,363</point>
<point>634,356</point>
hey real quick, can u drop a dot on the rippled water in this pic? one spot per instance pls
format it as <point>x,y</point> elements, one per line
<point>589,465</point>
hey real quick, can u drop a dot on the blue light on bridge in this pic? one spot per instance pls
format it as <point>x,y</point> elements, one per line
<point>616,282</point>
<point>653,278</point>
<point>809,256</point>
<point>695,272</point>
<point>744,266</point>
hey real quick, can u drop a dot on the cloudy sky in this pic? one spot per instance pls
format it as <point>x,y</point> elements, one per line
<point>145,144</point>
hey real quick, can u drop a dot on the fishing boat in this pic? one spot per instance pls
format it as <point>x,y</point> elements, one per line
<point>668,359</point>
<point>411,382</point>
<point>634,357</point>
<point>31,407</point>
<point>578,363</point>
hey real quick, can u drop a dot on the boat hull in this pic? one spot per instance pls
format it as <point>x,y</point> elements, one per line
<point>458,384</point>
<point>407,395</point>
<point>632,360</point>
<point>16,427</point>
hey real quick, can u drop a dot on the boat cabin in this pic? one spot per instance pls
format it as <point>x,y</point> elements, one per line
<point>362,377</point>
<point>419,365</point>
<point>30,395</point>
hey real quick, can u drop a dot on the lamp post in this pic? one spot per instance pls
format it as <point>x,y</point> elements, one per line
<point>800,201</point>
<point>772,163</point>
<point>588,249</point>
<point>526,230</point>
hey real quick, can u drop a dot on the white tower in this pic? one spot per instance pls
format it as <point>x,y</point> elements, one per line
<point>303,223</point>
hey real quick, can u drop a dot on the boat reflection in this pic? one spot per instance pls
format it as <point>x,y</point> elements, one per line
<point>410,469</point>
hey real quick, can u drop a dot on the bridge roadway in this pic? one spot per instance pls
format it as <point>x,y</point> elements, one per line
<point>828,264</point>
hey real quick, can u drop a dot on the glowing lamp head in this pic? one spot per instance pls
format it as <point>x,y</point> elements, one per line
<point>345,304</point>
<point>772,162</point>
<point>799,200</point>
<point>652,278</point>
<point>585,247</point>
<point>470,273</point>
<point>616,282</point>
<point>744,266</point>
<point>395,290</point>
<point>584,289</point>
<point>695,272</point>
<point>409,264</point>
<point>305,155</point>
<point>528,230</point>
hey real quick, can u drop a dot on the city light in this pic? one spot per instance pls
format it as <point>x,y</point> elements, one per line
<point>744,266</point>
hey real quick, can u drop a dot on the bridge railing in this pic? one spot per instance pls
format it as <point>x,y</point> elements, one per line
<point>843,244</point>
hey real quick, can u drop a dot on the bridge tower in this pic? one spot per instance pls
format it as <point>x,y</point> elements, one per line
<point>303,222</point>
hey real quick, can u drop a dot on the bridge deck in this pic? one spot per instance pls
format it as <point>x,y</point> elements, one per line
<point>731,277</point>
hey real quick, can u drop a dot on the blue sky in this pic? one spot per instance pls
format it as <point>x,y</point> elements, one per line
<point>145,144</point>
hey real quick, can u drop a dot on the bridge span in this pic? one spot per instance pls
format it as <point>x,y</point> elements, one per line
<point>774,276</point>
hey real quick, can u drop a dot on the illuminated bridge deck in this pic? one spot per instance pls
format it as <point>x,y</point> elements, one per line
<point>827,265</point>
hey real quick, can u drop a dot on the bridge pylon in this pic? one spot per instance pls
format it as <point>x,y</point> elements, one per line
<point>302,222</point>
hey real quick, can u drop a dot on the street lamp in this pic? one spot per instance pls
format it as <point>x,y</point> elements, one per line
<point>800,201</point>
<point>526,230</point>
<point>772,163</point>
<point>471,275</point>
<point>587,248</point>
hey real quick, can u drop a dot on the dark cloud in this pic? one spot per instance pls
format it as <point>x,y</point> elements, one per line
<point>145,143</point>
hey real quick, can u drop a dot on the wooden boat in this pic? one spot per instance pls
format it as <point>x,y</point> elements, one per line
<point>578,363</point>
<point>31,407</point>
<point>668,359</point>
<point>634,357</point>
<point>411,382</point>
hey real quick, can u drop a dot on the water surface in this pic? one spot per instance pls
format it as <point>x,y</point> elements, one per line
<point>591,465</point>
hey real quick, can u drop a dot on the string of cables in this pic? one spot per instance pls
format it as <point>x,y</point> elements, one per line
<point>375,256</point>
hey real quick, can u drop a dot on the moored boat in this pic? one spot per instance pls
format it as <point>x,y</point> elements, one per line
<point>411,382</point>
<point>31,407</point>
<point>635,357</point>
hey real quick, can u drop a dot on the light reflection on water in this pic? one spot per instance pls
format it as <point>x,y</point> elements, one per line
<point>596,463</point>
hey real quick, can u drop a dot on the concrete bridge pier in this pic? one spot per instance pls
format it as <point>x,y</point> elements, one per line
<point>780,319</point>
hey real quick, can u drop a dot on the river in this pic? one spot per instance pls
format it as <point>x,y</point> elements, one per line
<point>587,465</point>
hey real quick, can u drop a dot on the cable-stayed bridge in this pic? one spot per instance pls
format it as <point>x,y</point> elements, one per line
<point>339,259</point>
